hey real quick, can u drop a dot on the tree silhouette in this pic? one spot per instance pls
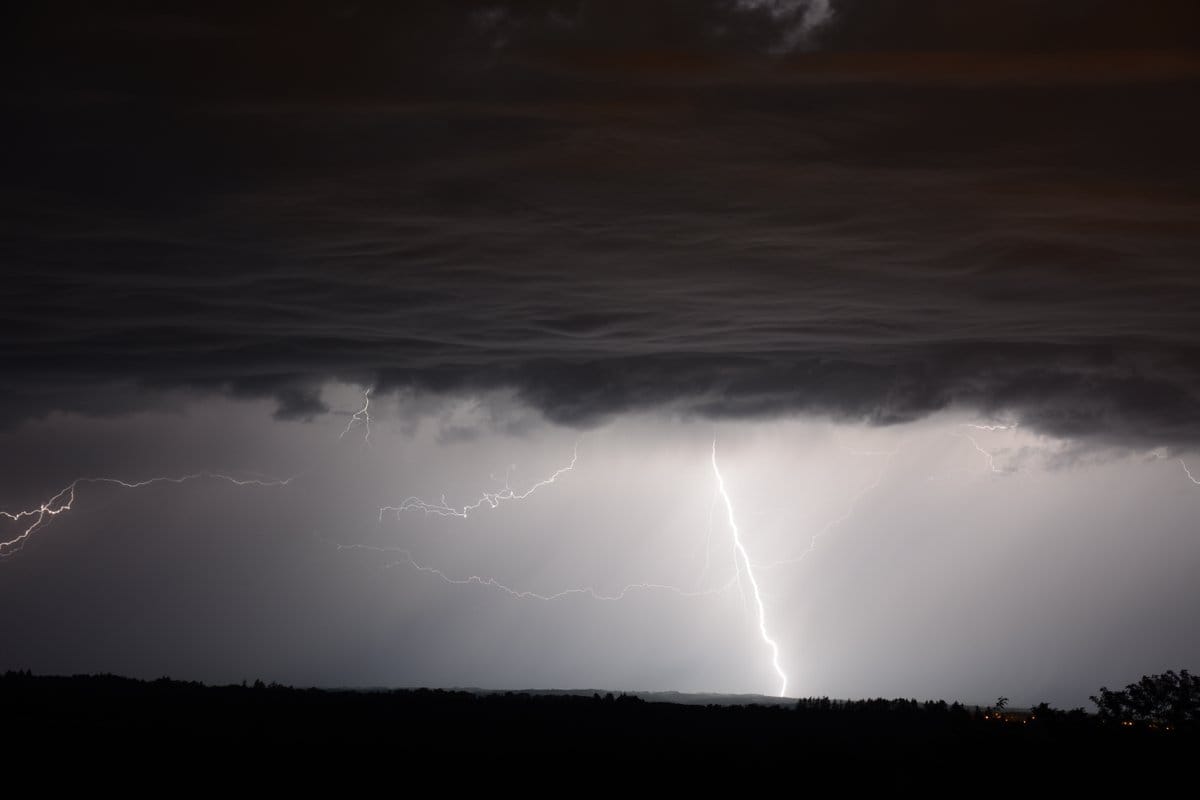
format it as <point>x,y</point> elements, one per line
<point>1170,700</point>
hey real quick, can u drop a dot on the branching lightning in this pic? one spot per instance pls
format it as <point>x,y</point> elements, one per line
<point>493,500</point>
<point>991,458</point>
<point>1011,427</point>
<point>744,560</point>
<point>743,567</point>
<point>361,417</point>
<point>489,499</point>
<point>29,521</point>
<point>838,521</point>
<point>64,501</point>
<point>406,558</point>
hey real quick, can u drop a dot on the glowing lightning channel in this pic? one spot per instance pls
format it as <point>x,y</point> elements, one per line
<point>745,561</point>
<point>1188,472</point>
<point>64,500</point>
<point>1011,427</point>
<point>838,521</point>
<point>991,458</point>
<point>406,559</point>
<point>708,541</point>
<point>489,499</point>
<point>363,416</point>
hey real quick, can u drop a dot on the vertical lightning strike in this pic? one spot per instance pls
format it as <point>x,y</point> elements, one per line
<point>363,416</point>
<point>1188,472</point>
<point>489,499</point>
<point>745,563</point>
<point>708,540</point>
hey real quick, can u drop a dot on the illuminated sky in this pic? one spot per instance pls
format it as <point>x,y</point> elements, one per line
<point>836,237</point>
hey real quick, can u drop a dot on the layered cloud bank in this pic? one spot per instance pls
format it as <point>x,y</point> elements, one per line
<point>871,211</point>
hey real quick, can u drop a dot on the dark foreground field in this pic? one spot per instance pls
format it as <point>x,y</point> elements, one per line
<point>83,718</point>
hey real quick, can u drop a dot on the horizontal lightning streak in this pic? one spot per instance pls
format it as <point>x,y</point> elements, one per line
<point>1011,427</point>
<point>64,501</point>
<point>493,583</point>
<point>489,499</point>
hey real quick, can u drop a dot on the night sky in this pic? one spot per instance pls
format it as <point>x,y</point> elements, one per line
<point>927,272</point>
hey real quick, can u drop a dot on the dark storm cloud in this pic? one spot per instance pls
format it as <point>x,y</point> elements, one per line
<point>610,206</point>
<point>1026,25</point>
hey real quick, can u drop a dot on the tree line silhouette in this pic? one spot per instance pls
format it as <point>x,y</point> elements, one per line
<point>1153,719</point>
<point>1170,701</point>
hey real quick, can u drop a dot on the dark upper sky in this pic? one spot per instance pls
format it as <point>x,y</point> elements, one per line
<point>872,209</point>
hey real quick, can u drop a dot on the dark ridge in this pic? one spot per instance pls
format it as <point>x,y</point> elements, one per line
<point>104,716</point>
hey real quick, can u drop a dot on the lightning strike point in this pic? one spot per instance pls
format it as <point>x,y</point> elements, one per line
<point>744,561</point>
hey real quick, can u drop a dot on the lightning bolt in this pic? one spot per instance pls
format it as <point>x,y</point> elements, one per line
<point>1011,427</point>
<point>991,458</point>
<point>834,523</point>
<point>362,416</point>
<point>742,563</point>
<point>406,558</point>
<point>708,539</point>
<point>488,499</point>
<point>1188,472</point>
<point>744,560</point>
<point>64,501</point>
